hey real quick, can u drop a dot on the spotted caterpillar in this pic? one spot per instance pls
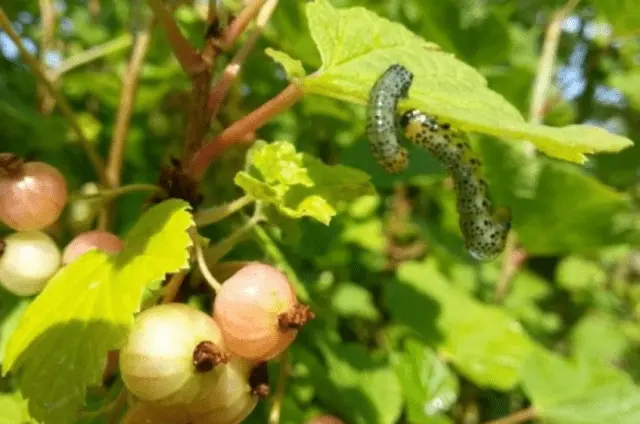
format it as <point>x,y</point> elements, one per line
<point>484,230</point>
<point>381,129</point>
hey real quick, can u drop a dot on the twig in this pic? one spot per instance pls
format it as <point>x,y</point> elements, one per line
<point>48,16</point>
<point>231,72</point>
<point>65,108</point>
<point>544,74</point>
<point>90,54</point>
<point>173,286</point>
<point>516,417</point>
<point>204,269</point>
<point>188,57</point>
<point>127,97</point>
<point>251,122</point>
<point>513,259</point>
<point>110,194</point>
<point>240,23</point>
<point>274,415</point>
<point>218,213</point>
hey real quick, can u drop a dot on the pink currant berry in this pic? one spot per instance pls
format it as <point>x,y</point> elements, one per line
<point>257,312</point>
<point>82,243</point>
<point>32,194</point>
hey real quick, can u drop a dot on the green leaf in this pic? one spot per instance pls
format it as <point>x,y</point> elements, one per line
<point>13,409</point>
<point>292,67</point>
<point>526,291</point>
<point>556,207</point>
<point>367,234</point>
<point>582,392</point>
<point>356,46</point>
<point>365,385</point>
<point>299,184</point>
<point>600,337</point>
<point>629,84</point>
<point>352,300</point>
<point>575,274</point>
<point>485,344</point>
<point>429,386</point>
<point>623,15</point>
<point>60,345</point>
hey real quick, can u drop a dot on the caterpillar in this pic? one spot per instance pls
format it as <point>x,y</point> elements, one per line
<point>484,230</point>
<point>381,127</point>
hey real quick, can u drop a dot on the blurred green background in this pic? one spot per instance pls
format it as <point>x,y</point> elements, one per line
<point>410,329</point>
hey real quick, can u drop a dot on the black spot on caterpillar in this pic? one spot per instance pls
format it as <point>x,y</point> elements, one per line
<point>388,89</point>
<point>484,230</point>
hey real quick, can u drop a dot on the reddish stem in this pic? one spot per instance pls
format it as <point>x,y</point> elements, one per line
<point>240,23</point>
<point>239,129</point>
<point>188,57</point>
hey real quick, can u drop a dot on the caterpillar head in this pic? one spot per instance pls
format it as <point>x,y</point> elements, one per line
<point>403,76</point>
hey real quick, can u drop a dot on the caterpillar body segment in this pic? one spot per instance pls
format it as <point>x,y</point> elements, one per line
<point>484,230</point>
<point>381,127</point>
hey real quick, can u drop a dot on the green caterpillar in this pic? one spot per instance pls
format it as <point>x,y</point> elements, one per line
<point>381,129</point>
<point>485,230</point>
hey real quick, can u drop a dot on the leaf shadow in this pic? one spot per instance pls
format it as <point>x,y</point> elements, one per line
<point>63,361</point>
<point>415,309</point>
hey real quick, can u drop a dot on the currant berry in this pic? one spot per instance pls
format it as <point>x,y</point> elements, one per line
<point>82,243</point>
<point>257,312</point>
<point>27,261</point>
<point>32,194</point>
<point>171,352</point>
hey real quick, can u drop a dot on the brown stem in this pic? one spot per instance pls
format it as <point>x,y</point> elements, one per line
<point>199,115</point>
<point>65,107</point>
<point>239,129</point>
<point>188,57</point>
<point>48,16</point>
<point>240,23</point>
<point>512,262</point>
<point>274,415</point>
<point>173,286</point>
<point>259,380</point>
<point>231,72</point>
<point>516,417</point>
<point>11,165</point>
<point>127,97</point>
<point>539,95</point>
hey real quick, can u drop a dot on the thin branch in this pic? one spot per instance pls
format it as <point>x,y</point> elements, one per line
<point>274,415</point>
<point>218,213</point>
<point>127,97</point>
<point>65,107</point>
<point>239,129</point>
<point>517,417</point>
<point>48,16</point>
<point>188,57</point>
<point>173,286</point>
<point>513,258</point>
<point>110,194</point>
<point>91,54</point>
<point>240,23</point>
<point>231,72</point>
<point>546,65</point>
<point>204,269</point>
